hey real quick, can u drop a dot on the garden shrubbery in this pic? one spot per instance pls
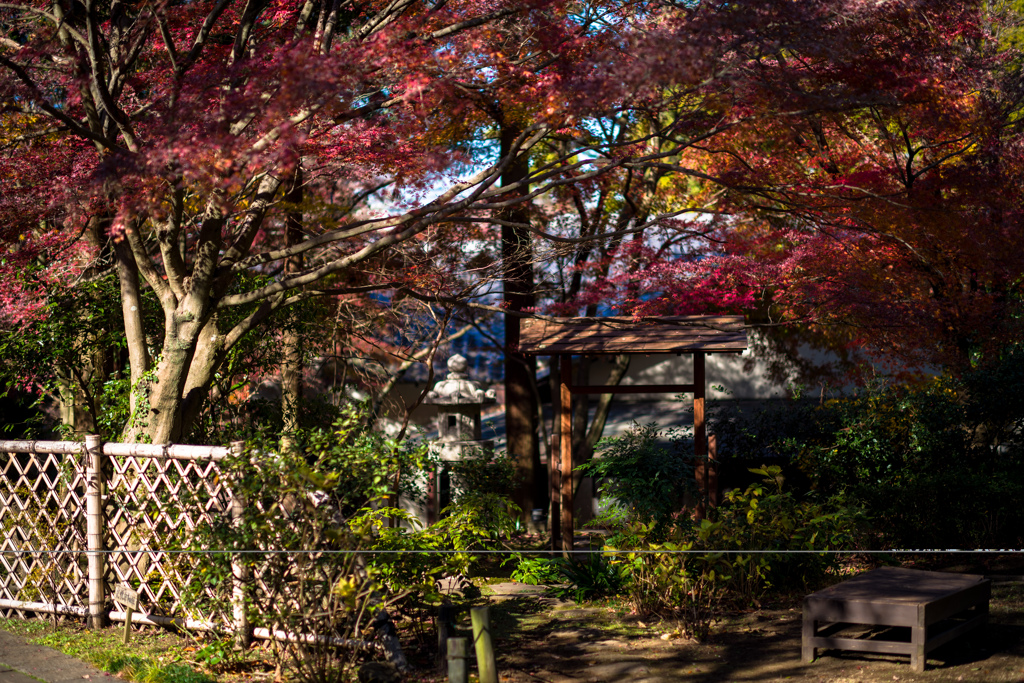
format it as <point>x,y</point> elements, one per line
<point>937,464</point>
<point>664,562</point>
<point>898,450</point>
<point>335,557</point>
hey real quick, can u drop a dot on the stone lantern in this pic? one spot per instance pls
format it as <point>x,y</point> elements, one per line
<point>459,402</point>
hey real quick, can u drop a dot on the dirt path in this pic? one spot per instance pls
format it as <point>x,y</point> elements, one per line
<point>540,639</point>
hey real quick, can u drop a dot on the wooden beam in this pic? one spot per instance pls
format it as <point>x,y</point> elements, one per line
<point>634,389</point>
<point>566,522</point>
<point>623,334</point>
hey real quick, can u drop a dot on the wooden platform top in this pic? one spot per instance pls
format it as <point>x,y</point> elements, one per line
<point>897,585</point>
<point>624,334</point>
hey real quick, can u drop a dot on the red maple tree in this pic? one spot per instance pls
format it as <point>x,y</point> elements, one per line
<point>850,164</point>
<point>168,135</point>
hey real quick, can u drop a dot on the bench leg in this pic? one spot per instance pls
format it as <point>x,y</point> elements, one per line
<point>917,654</point>
<point>807,649</point>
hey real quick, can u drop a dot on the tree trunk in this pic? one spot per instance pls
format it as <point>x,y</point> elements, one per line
<point>77,386</point>
<point>164,423</point>
<point>134,332</point>
<point>520,371</point>
<point>292,368</point>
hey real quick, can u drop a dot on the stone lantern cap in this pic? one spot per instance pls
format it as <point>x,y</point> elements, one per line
<point>457,388</point>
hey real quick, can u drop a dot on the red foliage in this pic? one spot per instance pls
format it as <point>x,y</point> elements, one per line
<point>178,126</point>
<point>847,161</point>
<point>862,161</point>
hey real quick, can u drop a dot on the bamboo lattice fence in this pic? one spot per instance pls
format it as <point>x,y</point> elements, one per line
<point>76,519</point>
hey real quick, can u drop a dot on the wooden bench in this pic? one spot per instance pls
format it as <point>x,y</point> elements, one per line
<point>936,606</point>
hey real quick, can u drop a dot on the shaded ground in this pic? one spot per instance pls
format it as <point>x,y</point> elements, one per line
<point>540,639</point>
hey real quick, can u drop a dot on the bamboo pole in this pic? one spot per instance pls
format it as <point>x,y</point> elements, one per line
<point>239,572</point>
<point>168,622</point>
<point>45,607</point>
<point>486,664</point>
<point>310,639</point>
<point>458,672</point>
<point>94,530</point>
<point>258,633</point>
<point>172,452</point>
<point>137,450</point>
<point>20,446</point>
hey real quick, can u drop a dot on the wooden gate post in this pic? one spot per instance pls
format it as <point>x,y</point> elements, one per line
<point>700,435</point>
<point>239,572</point>
<point>565,430</point>
<point>555,460</point>
<point>94,524</point>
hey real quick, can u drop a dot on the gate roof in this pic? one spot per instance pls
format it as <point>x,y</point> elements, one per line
<point>625,334</point>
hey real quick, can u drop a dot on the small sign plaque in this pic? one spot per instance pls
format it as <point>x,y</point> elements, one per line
<point>126,596</point>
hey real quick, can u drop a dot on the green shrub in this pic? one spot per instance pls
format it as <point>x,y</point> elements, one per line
<point>408,560</point>
<point>589,578</point>
<point>481,471</point>
<point>345,567</point>
<point>647,480</point>
<point>668,580</point>
<point>578,579</point>
<point>537,571</point>
<point>694,568</point>
<point>365,464</point>
<point>764,517</point>
<point>897,450</point>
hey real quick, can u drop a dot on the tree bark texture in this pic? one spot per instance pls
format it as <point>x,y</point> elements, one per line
<point>520,371</point>
<point>292,368</point>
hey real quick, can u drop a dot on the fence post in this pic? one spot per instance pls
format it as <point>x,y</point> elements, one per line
<point>458,672</point>
<point>94,524</point>
<point>239,572</point>
<point>486,665</point>
<point>445,630</point>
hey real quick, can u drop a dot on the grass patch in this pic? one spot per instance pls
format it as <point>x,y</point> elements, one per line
<point>147,658</point>
<point>145,670</point>
<point>1008,602</point>
<point>25,628</point>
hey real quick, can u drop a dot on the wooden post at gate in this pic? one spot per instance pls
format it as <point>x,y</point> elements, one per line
<point>561,338</point>
<point>458,671</point>
<point>486,662</point>
<point>700,435</point>
<point>565,496</point>
<point>554,466</point>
